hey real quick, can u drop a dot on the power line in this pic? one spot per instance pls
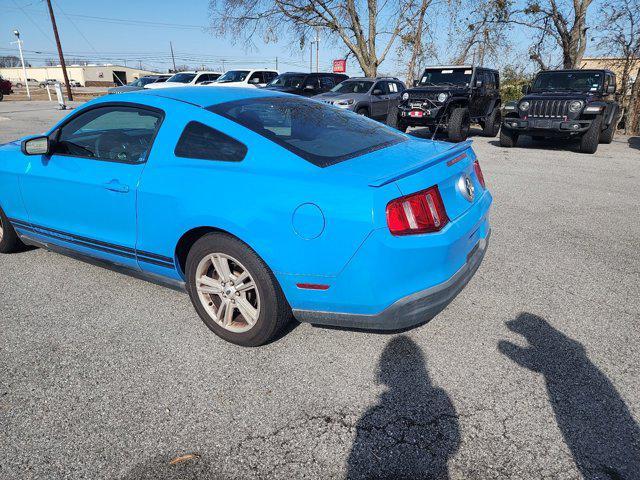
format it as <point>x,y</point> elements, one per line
<point>76,27</point>
<point>32,21</point>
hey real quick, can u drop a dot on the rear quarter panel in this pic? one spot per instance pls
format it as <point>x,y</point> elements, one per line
<point>253,200</point>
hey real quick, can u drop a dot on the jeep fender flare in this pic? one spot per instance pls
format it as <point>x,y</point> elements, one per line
<point>612,115</point>
<point>496,103</point>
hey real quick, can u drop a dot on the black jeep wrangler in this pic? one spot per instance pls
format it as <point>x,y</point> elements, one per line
<point>565,104</point>
<point>451,98</point>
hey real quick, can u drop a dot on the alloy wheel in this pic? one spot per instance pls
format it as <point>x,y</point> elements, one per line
<point>227,292</point>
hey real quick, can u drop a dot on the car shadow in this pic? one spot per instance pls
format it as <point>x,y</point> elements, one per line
<point>413,429</point>
<point>595,422</point>
<point>634,142</point>
<point>440,135</point>
<point>526,141</point>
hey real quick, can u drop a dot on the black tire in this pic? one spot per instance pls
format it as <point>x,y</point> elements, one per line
<point>363,111</point>
<point>459,124</point>
<point>606,136</point>
<point>402,126</point>
<point>9,241</point>
<point>1,96</point>
<point>508,138</point>
<point>274,312</point>
<point>590,139</point>
<point>491,125</point>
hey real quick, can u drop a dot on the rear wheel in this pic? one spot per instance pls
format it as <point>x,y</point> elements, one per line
<point>234,292</point>
<point>508,138</point>
<point>607,134</point>
<point>589,140</point>
<point>491,125</point>
<point>459,124</point>
<point>9,240</point>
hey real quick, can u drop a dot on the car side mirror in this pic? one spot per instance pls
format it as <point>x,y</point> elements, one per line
<point>254,80</point>
<point>36,146</point>
<point>478,83</point>
<point>416,83</point>
<point>310,88</point>
<point>525,89</point>
<point>611,89</point>
<point>376,92</point>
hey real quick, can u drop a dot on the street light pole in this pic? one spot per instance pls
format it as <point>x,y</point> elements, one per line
<point>24,69</point>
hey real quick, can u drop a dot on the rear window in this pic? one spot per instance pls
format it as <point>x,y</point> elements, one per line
<point>202,142</point>
<point>321,134</point>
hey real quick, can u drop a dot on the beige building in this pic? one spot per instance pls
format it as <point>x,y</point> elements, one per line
<point>87,75</point>
<point>616,65</point>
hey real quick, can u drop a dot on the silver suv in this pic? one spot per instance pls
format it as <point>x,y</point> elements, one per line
<point>373,97</point>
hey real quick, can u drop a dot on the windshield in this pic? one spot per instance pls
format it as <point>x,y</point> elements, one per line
<point>352,86</point>
<point>446,77</point>
<point>583,81</point>
<point>141,82</point>
<point>182,77</point>
<point>287,80</point>
<point>319,133</point>
<point>233,76</point>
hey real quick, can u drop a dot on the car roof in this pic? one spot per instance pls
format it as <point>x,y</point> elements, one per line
<point>205,97</point>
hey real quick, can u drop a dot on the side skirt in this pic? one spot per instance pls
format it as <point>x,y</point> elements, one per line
<point>116,267</point>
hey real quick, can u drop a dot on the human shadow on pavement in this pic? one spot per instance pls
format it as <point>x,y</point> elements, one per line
<point>413,429</point>
<point>595,422</point>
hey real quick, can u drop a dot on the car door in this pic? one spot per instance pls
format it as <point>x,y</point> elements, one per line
<point>83,194</point>
<point>311,85</point>
<point>395,91</point>
<point>379,101</point>
<point>478,93</point>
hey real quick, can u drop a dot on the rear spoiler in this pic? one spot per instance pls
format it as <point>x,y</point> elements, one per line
<point>411,169</point>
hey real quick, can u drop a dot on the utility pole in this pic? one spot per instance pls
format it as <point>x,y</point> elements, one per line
<point>172,57</point>
<point>317,50</point>
<point>310,57</point>
<point>62,64</point>
<point>24,70</point>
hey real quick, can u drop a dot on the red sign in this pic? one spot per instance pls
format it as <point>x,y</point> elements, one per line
<point>339,66</point>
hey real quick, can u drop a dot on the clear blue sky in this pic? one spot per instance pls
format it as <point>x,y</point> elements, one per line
<point>134,41</point>
<point>139,31</point>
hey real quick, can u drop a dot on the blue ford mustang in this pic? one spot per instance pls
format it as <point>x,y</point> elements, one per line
<point>259,204</point>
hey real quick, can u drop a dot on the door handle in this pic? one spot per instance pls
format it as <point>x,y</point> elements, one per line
<point>116,186</point>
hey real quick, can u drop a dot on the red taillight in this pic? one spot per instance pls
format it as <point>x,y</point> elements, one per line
<point>420,212</point>
<point>476,167</point>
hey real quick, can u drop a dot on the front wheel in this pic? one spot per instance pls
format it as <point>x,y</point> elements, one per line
<point>234,292</point>
<point>491,126</point>
<point>363,111</point>
<point>459,124</point>
<point>9,240</point>
<point>508,138</point>
<point>607,134</point>
<point>589,140</point>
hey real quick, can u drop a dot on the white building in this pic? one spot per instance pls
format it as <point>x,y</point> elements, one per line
<point>88,75</point>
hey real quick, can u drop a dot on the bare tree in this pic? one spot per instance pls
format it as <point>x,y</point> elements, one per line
<point>413,40</point>
<point>565,22</point>
<point>9,61</point>
<point>360,26</point>
<point>481,32</point>
<point>620,37</point>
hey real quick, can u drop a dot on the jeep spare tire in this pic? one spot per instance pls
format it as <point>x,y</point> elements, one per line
<point>459,124</point>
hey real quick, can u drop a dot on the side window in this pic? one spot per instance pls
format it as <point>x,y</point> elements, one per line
<point>312,80</point>
<point>115,133</point>
<point>257,77</point>
<point>204,78</point>
<point>380,86</point>
<point>400,87</point>
<point>268,76</point>
<point>392,87</point>
<point>326,83</point>
<point>203,142</point>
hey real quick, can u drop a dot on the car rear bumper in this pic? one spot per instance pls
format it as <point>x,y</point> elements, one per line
<point>411,310</point>
<point>546,126</point>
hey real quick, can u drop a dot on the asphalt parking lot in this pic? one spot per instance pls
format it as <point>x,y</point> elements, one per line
<point>532,372</point>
